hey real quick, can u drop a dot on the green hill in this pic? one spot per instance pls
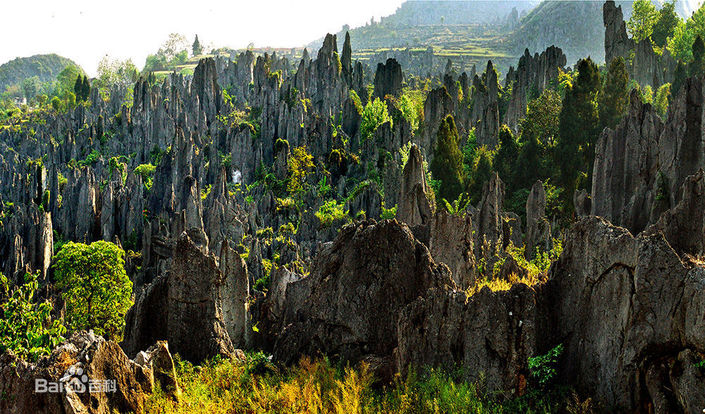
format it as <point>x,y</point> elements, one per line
<point>46,67</point>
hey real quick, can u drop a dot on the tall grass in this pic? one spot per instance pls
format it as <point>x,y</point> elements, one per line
<point>316,386</point>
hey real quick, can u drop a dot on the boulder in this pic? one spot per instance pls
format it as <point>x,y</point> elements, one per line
<point>197,295</point>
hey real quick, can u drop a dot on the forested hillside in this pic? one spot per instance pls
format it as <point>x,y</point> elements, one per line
<point>45,67</point>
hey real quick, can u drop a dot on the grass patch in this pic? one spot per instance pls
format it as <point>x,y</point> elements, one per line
<point>316,386</point>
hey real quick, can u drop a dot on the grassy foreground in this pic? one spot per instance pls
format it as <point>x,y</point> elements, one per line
<point>316,386</point>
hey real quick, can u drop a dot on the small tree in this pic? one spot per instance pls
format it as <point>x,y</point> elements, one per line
<point>300,164</point>
<point>26,327</point>
<point>94,286</point>
<point>197,49</point>
<point>373,116</point>
<point>447,164</point>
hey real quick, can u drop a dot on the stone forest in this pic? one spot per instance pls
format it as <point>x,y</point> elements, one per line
<point>325,231</point>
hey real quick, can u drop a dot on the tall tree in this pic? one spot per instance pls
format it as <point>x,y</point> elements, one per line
<point>197,49</point>
<point>579,127</point>
<point>666,24</point>
<point>506,157</point>
<point>447,164</point>
<point>644,16</point>
<point>94,286</point>
<point>614,98</point>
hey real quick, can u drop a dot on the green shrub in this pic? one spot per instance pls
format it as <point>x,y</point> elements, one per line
<point>543,368</point>
<point>331,211</point>
<point>373,116</point>
<point>94,286</point>
<point>26,327</point>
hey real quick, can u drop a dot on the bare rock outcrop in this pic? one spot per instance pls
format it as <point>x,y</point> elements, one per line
<point>626,166</point>
<point>538,228</point>
<point>532,76</point>
<point>640,308</point>
<point>388,79</point>
<point>196,306</point>
<point>415,207</point>
<point>95,374</point>
<point>617,42</point>
<point>492,333</point>
<point>452,244</point>
<point>348,306</point>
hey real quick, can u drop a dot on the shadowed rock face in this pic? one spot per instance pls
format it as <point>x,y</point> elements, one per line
<point>388,79</point>
<point>641,307</point>
<point>199,306</point>
<point>348,306</point>
<point>642,164</point>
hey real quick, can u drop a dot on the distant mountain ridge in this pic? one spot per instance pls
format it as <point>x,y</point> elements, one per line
<point>46,67</point>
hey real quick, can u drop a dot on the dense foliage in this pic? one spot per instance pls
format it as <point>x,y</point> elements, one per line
<point>26,326</point>
<point>94,286</point>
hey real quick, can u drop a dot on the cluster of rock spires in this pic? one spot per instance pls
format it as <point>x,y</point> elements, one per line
<point>647,67</point>
<point>387,292</point>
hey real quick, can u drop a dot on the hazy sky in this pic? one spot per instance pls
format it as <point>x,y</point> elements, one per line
<point>86,30</point>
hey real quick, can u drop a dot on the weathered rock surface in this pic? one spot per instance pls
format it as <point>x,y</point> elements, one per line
<point>388,79</point>
<point>492,334</point>
<point>83,360</point>
<point>415,208</point>
<point>617,42</point>
<point>538,229</point>
<point>348,306</point>
<point>641,165</point>
<point>640,306</point>
<point>532,76</point>
<point>196,306</point>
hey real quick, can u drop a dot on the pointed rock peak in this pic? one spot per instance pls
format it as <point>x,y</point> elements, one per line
<point>330,45</point>
<point>413,170</point>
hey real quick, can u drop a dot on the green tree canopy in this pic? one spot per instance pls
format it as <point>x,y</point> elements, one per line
<point>196,49</point>
<point>665,24</point>
<point>94,286</point>
<point>614,99</point>
<point>579,128</point>
<point>506,157</point>
<point>644,17</point>
<point>447,163</point>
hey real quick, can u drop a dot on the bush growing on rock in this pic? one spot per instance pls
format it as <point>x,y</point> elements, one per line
<point>94,286</point>
<point>26,327</point>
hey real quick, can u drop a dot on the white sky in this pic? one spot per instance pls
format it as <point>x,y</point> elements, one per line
<point>86,30</point>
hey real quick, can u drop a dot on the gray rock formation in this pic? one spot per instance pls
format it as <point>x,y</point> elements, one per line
<point>415,208</point>
<point>195,306</point>
<point>388,79</point>
<point>532,76</point>
<point>538,229</point>
<point>635,320</point>
<point>452,244</point>
<point>617,42</point>
<point>348,306</point>
<point>485,107</point>
<point>641,165</point>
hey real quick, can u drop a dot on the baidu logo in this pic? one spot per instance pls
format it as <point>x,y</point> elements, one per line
<point>75,380</point>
